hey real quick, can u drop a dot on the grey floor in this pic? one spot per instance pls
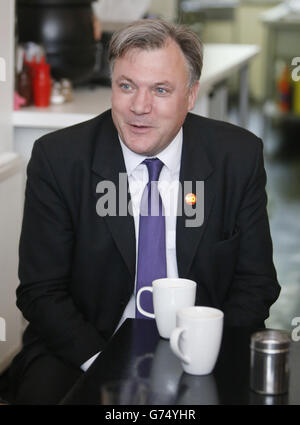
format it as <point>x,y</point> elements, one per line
<point>282,163</point>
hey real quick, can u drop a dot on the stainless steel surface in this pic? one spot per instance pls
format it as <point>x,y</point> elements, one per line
<point>269,364</point>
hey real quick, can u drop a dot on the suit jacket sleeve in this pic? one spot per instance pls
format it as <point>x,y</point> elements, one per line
<point>44,294</point>
<point>254,287</point>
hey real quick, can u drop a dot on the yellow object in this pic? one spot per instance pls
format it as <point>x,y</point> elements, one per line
<point>296,97</point>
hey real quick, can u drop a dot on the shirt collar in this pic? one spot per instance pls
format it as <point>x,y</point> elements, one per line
<point>170,156</point>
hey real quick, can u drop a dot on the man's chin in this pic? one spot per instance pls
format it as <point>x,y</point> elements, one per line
<point>139,148</point>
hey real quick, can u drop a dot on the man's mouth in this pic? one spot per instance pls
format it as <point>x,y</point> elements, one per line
<point>139,127</point>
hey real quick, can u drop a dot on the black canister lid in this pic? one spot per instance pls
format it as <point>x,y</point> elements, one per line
<point>270,340</point>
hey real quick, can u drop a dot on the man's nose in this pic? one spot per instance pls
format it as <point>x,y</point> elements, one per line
<point>141,102</point>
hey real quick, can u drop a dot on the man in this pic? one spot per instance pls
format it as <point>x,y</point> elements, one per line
<point>78,266</point>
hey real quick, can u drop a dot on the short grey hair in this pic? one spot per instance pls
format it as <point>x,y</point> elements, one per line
<point>150,34</point>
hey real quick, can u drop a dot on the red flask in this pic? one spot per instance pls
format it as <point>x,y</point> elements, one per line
<point>42,84</point>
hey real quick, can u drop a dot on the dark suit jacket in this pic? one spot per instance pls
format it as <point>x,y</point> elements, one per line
<point>77,269</point>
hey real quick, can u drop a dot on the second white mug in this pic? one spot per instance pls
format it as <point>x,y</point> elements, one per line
<point>169,295</point>
<point>197,338</point>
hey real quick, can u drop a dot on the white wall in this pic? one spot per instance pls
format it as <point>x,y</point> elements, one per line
<point>11,193</point>
<point>6,72</point>
<point>11,206</point>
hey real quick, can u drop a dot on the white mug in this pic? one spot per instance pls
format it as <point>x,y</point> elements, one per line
<point>169,295</point>
<point>197,338</point>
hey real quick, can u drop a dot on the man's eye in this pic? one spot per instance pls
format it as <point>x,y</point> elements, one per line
<point>125,86</point>
<point>161,90</point>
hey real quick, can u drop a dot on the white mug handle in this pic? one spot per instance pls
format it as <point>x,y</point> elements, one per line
<point>138,303</point>
<point>174,343</point>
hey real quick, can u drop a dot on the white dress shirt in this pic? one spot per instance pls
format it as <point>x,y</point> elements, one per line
<point>168,188</point>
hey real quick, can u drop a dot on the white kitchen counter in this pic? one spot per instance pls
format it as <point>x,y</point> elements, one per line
<point>220,62</point>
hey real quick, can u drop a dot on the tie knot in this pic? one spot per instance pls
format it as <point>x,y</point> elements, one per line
<point>154,166</point>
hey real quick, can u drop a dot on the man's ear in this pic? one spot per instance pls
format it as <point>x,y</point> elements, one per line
<point>193,93</point>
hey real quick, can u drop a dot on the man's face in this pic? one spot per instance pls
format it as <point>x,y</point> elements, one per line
<point>150,97</point>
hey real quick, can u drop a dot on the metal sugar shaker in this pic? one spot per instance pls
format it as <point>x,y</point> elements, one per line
<point>269,361</point>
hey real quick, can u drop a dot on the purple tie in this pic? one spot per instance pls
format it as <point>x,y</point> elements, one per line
<point>152,237</point>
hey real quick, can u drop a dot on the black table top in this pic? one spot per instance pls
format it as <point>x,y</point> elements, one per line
<point>137,351</point>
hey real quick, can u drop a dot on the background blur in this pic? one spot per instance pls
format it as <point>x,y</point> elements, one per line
<point>54,73</point>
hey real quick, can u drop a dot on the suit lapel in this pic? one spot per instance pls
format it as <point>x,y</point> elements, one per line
<point>195,167</point>
<point>108,163</point>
